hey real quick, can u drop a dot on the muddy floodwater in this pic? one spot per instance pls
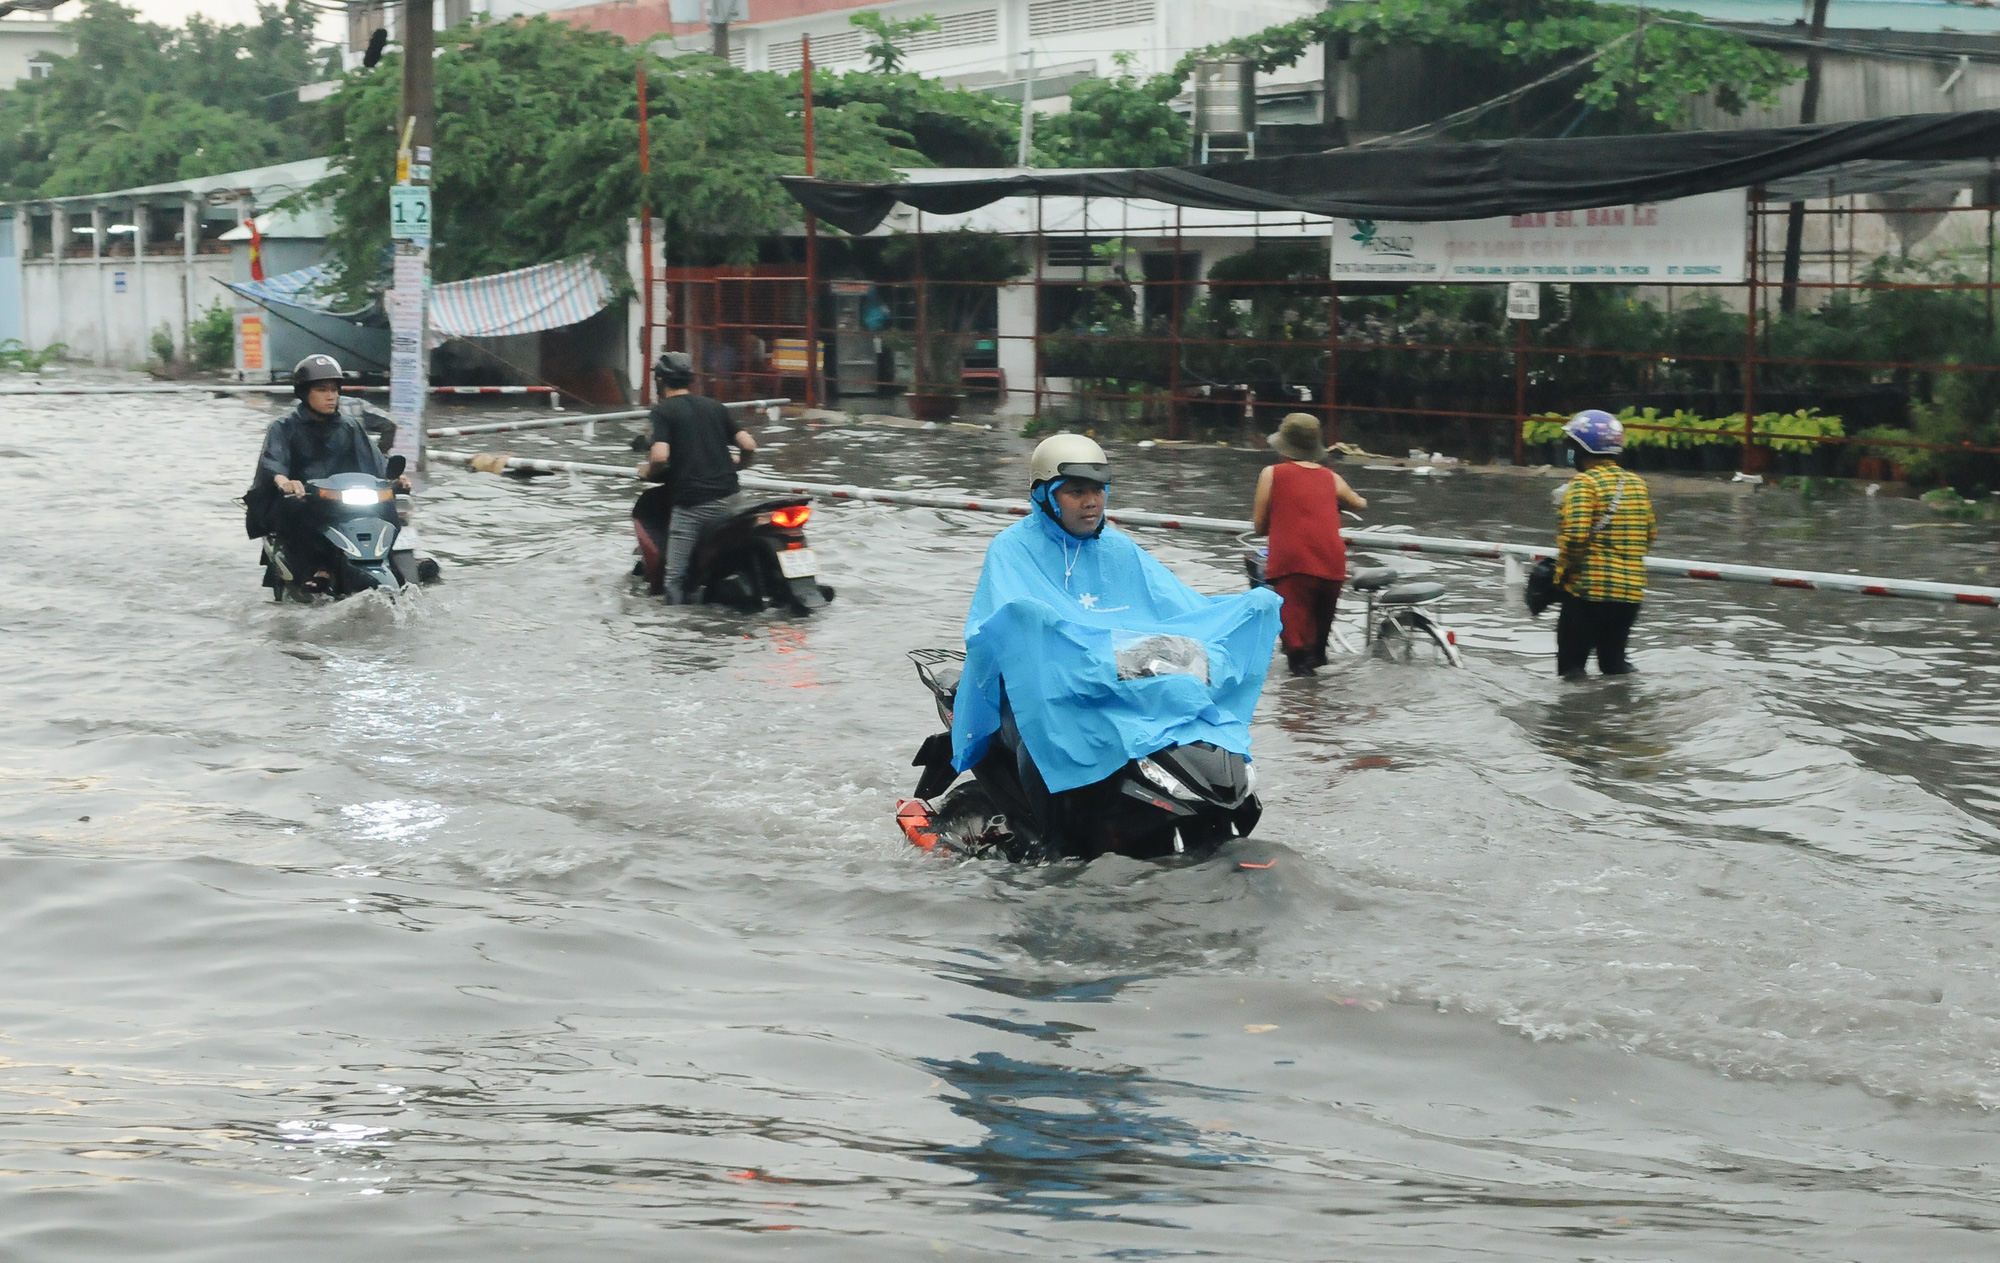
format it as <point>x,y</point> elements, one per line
<point>530,919</point>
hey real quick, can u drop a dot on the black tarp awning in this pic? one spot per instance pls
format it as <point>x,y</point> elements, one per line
<point>1458,180</point>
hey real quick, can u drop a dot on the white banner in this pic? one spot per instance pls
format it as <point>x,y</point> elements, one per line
<point>406,358</point>
<point>1690,241</point>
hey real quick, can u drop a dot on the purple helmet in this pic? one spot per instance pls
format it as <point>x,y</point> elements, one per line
<point>1597,432</point>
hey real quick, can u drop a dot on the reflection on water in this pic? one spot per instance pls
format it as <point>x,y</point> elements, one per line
<point>1072,1144</point>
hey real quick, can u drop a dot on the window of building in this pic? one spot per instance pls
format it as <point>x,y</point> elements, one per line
<point>1053,17</point>
<point>1075,252</point>
<point>956,30</point>
<point>38,68</point>
<point>849,45</point>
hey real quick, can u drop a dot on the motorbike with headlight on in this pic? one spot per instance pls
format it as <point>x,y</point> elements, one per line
<point>358,515</point>
<point>1182,799</point>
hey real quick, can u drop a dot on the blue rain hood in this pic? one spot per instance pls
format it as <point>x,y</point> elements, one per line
<point>1103,654</point>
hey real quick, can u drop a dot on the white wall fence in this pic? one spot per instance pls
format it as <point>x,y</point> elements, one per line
<point>106,310</point>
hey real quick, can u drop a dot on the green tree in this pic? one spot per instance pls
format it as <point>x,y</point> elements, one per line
<point>538,154</point>
<point>886,57</point>
<point>962,270</point>
<point>139,103</point>
<point>950,127</point>
<point>1647,76</point>
<point>1116,122</point>
<point>168,139</point>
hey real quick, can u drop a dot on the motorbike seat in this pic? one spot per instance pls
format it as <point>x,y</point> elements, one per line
<point>1411,594</point>
<point>1372,578</point>
<point>742,502</point>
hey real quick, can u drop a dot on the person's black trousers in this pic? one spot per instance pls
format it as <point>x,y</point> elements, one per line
<point>1601,627</point>
<point>295,520</point>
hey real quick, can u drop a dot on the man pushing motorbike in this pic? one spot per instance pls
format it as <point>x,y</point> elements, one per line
<point>690,452</point>
<point>1084,653</point>
<point>313,440</point>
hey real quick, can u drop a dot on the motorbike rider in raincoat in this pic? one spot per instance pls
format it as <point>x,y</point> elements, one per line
<point>1083,652</point>
<point>313,440</point>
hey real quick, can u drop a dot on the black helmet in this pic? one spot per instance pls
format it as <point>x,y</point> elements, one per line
<point>314,368</point>
<point>674,370</point>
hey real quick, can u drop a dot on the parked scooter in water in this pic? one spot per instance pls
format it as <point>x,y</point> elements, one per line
<point>755,557</point>
<point>1181,799</point>
<point>356,515</point>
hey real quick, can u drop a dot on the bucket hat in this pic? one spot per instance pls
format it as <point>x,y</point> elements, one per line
<point>1298,438</point>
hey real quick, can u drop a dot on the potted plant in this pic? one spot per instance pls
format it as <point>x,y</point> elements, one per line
<point>955,275</point>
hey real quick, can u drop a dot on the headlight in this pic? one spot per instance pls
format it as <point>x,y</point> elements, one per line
<point>355,495</point>
<point>1249,777</point>
<point>1166,780</point>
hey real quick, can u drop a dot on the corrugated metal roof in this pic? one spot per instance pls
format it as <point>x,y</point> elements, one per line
<point>266,185</point>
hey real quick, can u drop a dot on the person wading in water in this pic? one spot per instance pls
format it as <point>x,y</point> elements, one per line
<point>1605,526</point>
<point>1298,507</point>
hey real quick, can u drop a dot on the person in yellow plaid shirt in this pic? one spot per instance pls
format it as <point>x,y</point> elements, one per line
<point>1605,527</point>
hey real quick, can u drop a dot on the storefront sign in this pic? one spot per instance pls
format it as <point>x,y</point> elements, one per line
<point>250,329</point>
<point>1691,241</point>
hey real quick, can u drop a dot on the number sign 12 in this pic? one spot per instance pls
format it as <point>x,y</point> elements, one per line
<point>410,213</point>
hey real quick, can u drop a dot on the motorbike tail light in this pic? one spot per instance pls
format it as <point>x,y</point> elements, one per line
<point>1451,638</point>
<point>792,517</point>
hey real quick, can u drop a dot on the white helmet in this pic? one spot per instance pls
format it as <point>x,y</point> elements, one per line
<point>1068,456</point>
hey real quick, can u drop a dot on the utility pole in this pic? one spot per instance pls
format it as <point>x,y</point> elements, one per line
<point>1024,155</point>
<point>410,229</point>
<point>645,241</point>
<point>812,231</point>
<point>419,90</point>
<point>1795,213</point>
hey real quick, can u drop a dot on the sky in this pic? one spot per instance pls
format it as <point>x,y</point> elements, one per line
<point>175,13</point>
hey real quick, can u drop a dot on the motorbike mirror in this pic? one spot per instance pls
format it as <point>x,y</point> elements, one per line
<point>396,466</point>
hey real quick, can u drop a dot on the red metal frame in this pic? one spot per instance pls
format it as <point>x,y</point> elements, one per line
<point>713,306</point>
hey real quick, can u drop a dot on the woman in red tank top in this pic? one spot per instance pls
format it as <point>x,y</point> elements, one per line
<point>1298,508</point>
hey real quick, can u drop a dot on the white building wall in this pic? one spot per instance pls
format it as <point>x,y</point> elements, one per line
<point>992,38</point>
<point>24,40</point>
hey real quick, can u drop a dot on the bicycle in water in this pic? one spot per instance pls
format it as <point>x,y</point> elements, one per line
<point>1400,623</point>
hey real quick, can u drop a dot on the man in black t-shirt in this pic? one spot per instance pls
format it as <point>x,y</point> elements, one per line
<point>691,437</point>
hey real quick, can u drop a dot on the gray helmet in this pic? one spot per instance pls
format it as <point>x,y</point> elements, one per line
<point>314,368</point>
<point>674,370</point>
<point>1068,456</point>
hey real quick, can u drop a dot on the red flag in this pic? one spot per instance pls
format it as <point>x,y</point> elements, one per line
<point>256,251</point>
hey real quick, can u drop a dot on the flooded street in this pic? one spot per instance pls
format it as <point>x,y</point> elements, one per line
<point>531,918</point>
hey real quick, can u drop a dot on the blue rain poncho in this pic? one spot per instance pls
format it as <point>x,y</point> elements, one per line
<point>1104,656</point>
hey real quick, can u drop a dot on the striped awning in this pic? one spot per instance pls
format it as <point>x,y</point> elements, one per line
<point>525,301</point>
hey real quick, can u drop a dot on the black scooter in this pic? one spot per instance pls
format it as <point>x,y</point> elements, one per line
<point>1180,800</point>
<point>755,557</point>
<point>357,515</point>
